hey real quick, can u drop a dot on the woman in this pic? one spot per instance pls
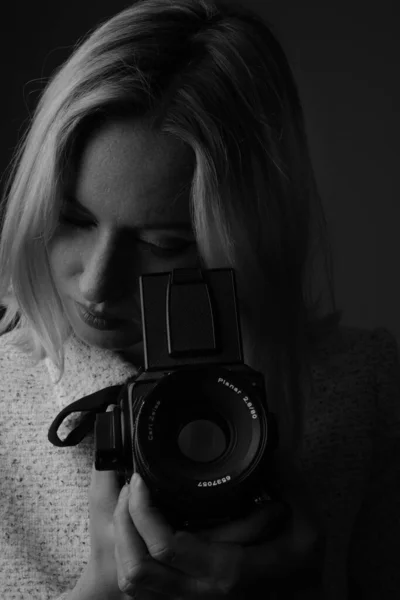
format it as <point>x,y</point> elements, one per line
<point>174,137</point>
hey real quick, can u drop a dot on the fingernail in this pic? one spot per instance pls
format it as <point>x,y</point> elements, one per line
<point>124,491</point>
<point>136,480</point>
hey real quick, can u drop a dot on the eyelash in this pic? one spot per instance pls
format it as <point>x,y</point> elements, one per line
<point>158,250</point>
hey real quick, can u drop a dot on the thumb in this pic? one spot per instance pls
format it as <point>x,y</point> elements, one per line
<point>104,490</point>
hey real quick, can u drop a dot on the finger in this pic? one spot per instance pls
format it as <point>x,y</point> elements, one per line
<point>129,545</point>
<point>180,550</point>
<point>258,525</point>
<point>156,532</point>
<point>215,566</point>
<point>149,577</point>
<point>104,491</point>
<point>138,574</point>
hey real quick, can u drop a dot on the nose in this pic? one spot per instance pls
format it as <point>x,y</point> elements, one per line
<point>107,271</point>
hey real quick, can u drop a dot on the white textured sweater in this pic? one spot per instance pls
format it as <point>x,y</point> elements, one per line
<point>351,462</point>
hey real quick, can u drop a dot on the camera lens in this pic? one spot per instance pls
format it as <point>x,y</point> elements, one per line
<point>202,441</point>
<point>199,439</point>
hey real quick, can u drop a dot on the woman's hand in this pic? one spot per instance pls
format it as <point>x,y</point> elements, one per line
<point>136,553</point>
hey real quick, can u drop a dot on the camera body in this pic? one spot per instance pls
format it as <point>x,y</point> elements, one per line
<point>194,422</point>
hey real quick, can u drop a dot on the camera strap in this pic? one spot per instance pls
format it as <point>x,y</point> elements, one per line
<point>92,404</point>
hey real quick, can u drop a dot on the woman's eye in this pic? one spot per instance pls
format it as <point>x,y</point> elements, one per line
<point>172,249</point>
<point>75,221</point>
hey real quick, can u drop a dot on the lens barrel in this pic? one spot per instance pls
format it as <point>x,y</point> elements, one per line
<point>199,442</point>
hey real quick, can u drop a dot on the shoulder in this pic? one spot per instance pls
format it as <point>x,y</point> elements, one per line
<point>356,379</point>
<point>9,351</point>
<point>377,344</point>
<point>371,358</point>
<point>384,357</point>
<point>357,349</point>
<point>376,352</point>
<point>16,366</point>
<point>375,548</point>
<point>384,361</point>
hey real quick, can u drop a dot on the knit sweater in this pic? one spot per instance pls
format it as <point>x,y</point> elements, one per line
<point>350,462</point>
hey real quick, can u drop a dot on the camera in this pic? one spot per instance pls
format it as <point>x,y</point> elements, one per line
<point>194,422</point>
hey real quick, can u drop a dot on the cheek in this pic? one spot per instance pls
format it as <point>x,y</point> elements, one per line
<point>64,258</point>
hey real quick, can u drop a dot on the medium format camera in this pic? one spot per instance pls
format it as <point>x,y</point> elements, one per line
<point>195,421</point>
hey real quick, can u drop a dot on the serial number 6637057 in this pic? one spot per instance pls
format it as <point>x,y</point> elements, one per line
<point>214,482</point>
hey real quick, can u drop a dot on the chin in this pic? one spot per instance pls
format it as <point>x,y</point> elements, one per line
<point>109,340</point>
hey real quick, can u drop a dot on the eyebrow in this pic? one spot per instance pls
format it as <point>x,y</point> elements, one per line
<point>174,225</point>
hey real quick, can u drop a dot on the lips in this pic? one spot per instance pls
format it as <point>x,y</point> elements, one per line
<point>99,323</point>
<point>103,316</point>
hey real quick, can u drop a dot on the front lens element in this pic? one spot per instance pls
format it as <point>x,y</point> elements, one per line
<point>202,441</point>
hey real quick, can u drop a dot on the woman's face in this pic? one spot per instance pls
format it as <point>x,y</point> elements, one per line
<point>126,213</point>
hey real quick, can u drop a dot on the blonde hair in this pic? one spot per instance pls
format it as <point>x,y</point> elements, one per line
<point>215,76</point>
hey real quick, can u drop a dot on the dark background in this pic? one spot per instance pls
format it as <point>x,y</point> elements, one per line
<point>345,56</point>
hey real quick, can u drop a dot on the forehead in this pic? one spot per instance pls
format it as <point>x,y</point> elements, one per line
<point>127,171</point>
